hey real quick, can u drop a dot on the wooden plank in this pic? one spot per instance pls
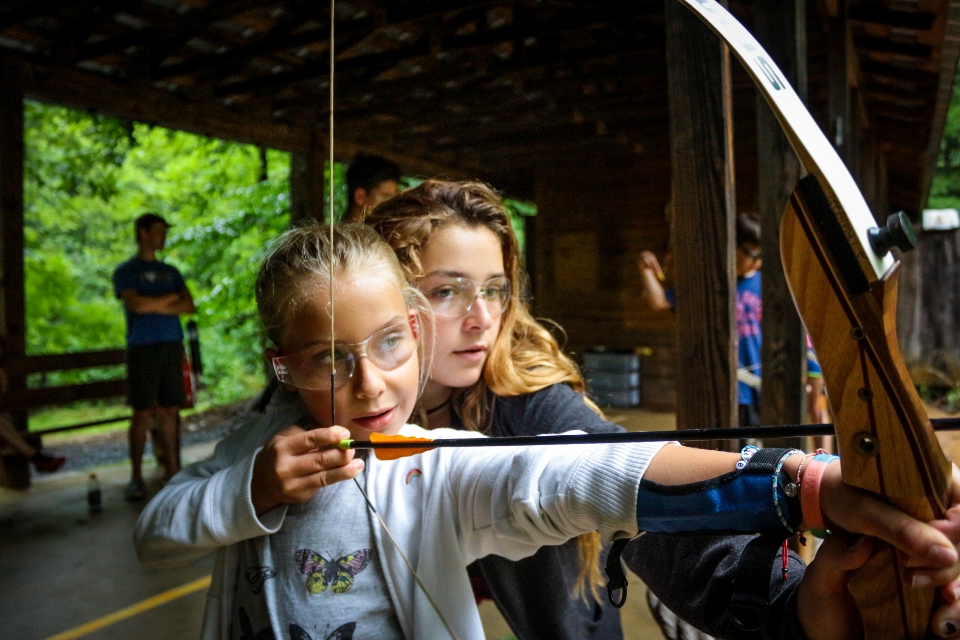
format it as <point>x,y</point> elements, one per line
<point>12,294</point>
<point>29,9</point>
<point>23,399</point>
<point>880,14</point>
<point>698,78</point>
<point>838,84</point>
<point>630,15</point>
<point>781,28</point>
<point>141,101</point>
<point>170,29</point>
<point>306,180</point>
<point>948,68</point>
<point>61,361</point>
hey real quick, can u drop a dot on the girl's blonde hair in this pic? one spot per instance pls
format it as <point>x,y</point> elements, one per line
<point>525,356</point>
<point>299,264</point>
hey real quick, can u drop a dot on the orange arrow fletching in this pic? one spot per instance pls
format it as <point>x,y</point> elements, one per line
<point>396,454</point>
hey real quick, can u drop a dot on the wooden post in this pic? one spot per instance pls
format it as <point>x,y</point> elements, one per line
<point>14,471</point>
<point>306,180</point>
<point>781,28</point>
<point>838,84</point>
<point>698,82</point>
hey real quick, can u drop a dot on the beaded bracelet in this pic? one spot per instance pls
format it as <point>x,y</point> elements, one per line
<point>789,489</point>
<point>745,454</point>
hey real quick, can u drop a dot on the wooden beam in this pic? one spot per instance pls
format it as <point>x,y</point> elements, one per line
<point>140,101</point>
<point>544,64</point>
<point>306,180</point>
<point>282,39</point>
<point>781,28</point>
<point>410,163</point>
<point>839,110</point>
<point>23,399</point>
<point>63,361</point>
<point>949,55</point>
<point>13,338</point>
<point>29,9</point>
<point>72,38</point>
<point>425,46</point>
<point>175,28</point>
<point>876,13</point>
<point>144,103</point>
<point>311,70</point>
<point>698,79</point>
<point>886,46</point>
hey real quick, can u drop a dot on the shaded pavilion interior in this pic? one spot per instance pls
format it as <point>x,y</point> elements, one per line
<point>565,103</point>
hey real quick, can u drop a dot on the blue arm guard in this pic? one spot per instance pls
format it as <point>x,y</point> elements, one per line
<point>739,501</point>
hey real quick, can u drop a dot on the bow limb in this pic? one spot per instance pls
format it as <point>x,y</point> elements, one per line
<point>846,294</point>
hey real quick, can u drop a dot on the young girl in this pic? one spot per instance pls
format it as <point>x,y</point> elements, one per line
<point>301,555</point>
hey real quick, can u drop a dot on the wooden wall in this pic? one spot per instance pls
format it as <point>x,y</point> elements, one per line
<point>928,312</point>
<point>592,223</point>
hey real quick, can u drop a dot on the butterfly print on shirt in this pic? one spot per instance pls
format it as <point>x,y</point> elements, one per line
<point>337,574</point>
<point>344,632</point>
<point>256,576</point>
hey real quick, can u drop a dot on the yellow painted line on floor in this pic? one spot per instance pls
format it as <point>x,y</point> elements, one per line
<point>134,609</point>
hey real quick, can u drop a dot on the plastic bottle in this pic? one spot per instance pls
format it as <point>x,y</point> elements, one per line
<point>93,493</point>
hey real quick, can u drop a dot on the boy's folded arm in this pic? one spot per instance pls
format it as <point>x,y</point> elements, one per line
<point>206,506</point>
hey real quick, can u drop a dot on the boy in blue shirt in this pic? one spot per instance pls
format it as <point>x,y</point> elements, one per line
<point>154,295</point>
<point>749,310</point>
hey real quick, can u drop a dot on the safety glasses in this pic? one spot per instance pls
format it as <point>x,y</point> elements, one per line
<point>455,297</point>
<point>388,348</point>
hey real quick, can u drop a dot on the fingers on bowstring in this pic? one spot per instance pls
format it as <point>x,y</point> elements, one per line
<point>320,438</point>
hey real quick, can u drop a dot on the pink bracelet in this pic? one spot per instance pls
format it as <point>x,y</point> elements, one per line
<point>810,491</point>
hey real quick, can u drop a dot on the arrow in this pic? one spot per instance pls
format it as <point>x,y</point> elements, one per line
<point>395,447</point>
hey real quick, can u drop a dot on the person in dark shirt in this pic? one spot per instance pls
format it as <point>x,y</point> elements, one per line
<point>371,179</point>
<point>154,295</point>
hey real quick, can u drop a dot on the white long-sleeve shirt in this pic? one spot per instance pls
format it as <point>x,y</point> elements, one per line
<point>465,504</point>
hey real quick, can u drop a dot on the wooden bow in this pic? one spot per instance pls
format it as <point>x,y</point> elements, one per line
<point>844,284</point>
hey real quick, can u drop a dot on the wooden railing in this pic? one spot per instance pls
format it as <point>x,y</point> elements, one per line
<point>23,399</point>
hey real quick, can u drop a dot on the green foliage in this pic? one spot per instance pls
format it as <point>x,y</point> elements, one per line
<point>945,188</point>
<point>87,178</point>
<point>340,196</point>
<point>519,212</point>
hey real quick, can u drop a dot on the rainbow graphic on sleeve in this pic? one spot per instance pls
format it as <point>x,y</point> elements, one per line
<point>413,474</point>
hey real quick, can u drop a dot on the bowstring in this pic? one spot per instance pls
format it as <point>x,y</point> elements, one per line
<point>333,353</point>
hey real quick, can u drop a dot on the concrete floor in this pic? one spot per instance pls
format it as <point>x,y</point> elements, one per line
<point>62,567</point>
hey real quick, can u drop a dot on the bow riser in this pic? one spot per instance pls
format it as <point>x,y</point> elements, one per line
<point>887,444</point>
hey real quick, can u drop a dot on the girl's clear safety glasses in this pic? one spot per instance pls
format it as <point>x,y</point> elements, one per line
<point>387,348</point>
<point>455,297</point>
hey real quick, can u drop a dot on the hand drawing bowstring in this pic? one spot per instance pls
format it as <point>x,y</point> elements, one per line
<point>333,352</point>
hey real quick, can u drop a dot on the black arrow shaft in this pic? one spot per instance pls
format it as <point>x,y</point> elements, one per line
<point>780,431</point>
